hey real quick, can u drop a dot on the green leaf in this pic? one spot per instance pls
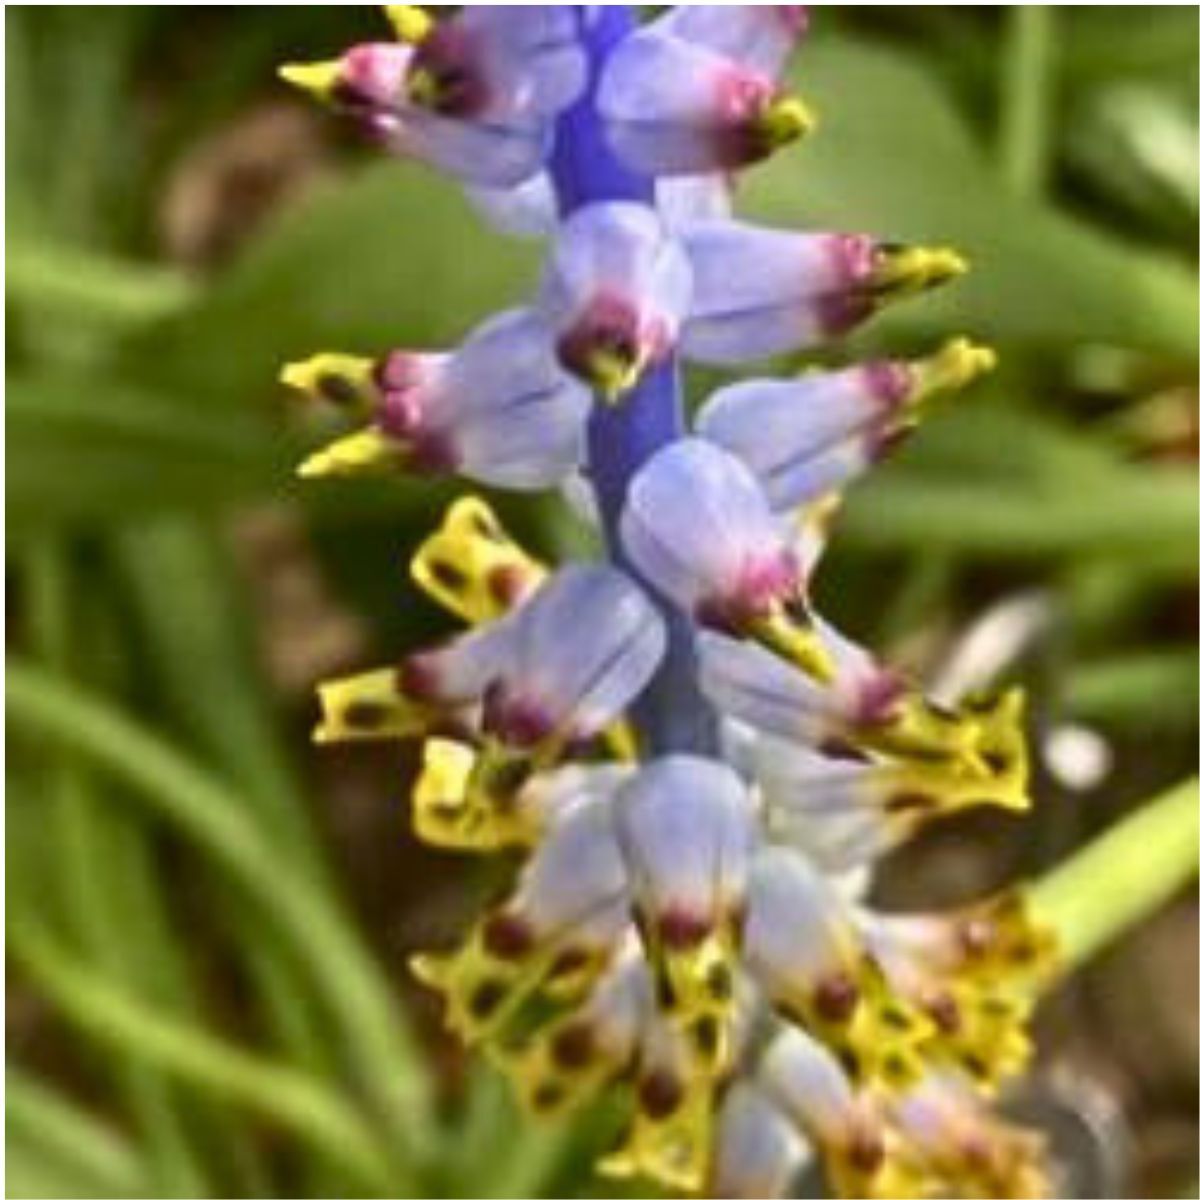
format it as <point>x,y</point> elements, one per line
<point>89,450</point>
<point>282,1095</point>
<point>390,257</point>
<point>892,158</point>
<point>375,1039</point>
<point>65,283</point>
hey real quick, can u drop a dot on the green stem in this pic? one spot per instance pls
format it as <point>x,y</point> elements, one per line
<point>1025,136</point>
<point>201,807</point>
<point>1121,877</point>
<point>284,1096</point>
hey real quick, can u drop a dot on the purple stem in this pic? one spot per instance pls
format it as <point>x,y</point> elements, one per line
<point>671,715</point>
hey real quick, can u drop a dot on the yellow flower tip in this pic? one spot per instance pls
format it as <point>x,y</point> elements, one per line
<point>907,269</point>
<point>613,375</point>
<point>365,707</point>
<point>702,1001</point>
<point>313,467</point>
<point>957,364</point>
<point>449,811</point>
<point>787,119</point>
<point>428,970</point>
<point>472,567</point>
<point>670,1144</point>
<point>423,87</point>
<point>367,451</point>
<point>344,380</point>
<point>318,79</point>
<point>409,22</point>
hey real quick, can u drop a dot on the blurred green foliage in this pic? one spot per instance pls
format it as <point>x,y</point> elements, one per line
<point>163,853</point>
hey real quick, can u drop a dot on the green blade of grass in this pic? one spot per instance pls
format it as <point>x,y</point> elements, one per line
<point>371,1030</point>
<point>280,1094</point>
<point>65,1134</point>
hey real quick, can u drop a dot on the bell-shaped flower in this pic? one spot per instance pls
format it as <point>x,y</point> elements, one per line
<point>809,436</point>
<point>565,920</point>
<point>971,1151</point>
<point>560,688</point>
<point>615,294</point>
<point>979,1019</point>
<point>679,105</point>
<point>806,1082</point>
<point>751,684</point>
<point>849,810</point>
<point>839,811</point>
<point>995,940</point>
<point>687,826</point>
<point>474,95</point>
<point>759,1150</point>
<point>803,949</point>
<point>759,292</point>
<point>670,1137</point>
<point>432,690</point>
<point>499,410</point>
<point>697,526</point>
<point>565,1062</point>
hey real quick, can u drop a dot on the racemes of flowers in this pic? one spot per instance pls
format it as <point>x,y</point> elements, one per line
<point>697,770</point>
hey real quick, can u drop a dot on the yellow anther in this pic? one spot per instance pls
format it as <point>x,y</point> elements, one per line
<point>366,707</point>
<point>346,380</point>
<point>563,1065</point>
<point>409,23</point>
<point>613,374</point>
<point>502,964</point>
<point>621,740</point>
<point>472,567</point>
<point>797,643</point>
<point>976,755</point>
<point>422,87</point>
<point>451,811</point>
<point>987,1040</point>
<point>672,1147</point>
<point>907,269</point>
<point>367,451</point>
<point>700,983</point>
<point>957,364</point>
<point>785,120</point>
<point>318,79</point>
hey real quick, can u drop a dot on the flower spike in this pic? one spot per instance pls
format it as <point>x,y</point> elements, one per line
<point>696,770</point>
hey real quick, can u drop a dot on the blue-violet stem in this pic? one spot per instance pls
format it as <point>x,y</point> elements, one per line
<point>672,715</point>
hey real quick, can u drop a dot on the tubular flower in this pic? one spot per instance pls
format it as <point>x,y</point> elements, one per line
<point>695,768</point>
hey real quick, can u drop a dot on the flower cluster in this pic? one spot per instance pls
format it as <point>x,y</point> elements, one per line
<point>697,770</point>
